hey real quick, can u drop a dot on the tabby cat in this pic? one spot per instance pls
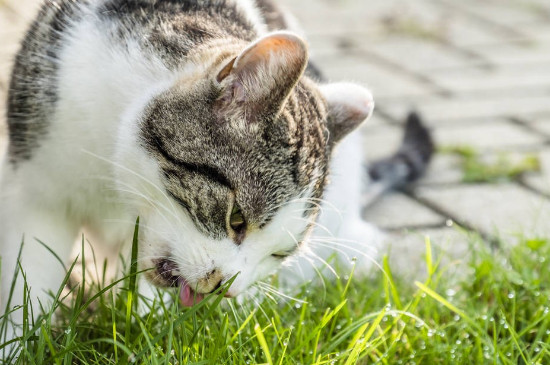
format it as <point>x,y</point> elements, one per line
<point>202,117</point>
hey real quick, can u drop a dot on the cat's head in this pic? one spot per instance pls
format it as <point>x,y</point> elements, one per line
<point>237,151</point>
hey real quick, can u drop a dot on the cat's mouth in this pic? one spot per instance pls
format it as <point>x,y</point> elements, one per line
<point>169,272</point>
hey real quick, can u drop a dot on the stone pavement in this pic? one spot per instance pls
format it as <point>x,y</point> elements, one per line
<point>477,70</point>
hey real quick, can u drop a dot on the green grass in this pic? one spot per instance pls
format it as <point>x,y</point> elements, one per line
<point>496,313</point>
<point>477,169</point>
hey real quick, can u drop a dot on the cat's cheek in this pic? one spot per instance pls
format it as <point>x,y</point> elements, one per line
<point>248,275</point>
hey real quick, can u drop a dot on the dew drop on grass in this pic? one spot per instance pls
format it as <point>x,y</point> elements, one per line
<point>458,342</point>
<point>449,222</point>
<point>456,318</point>
<point>430,333</point>
<point>511,295</point>
<point>450,292</point>
<point>548,332</point>
<point>508,354</point>
<point>67,331</point>
<point>339,327</point>
<point>546,310</point>
<point>297,306</point>
<point>484,317</point>
<point>537,349</point>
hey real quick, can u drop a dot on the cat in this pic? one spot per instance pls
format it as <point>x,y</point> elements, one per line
<point>204,118</point>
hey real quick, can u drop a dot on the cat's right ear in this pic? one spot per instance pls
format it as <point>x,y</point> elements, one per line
<point>349,105</point>
<point>256,83</point>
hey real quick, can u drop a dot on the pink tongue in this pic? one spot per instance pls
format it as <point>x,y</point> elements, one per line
<point>187,296</point>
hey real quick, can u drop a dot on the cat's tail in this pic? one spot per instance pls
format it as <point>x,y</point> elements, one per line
<point>404,166</point>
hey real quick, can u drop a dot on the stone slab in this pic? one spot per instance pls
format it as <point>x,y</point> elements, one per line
<point>438,110</point>
<point>496,80</point>
<point>505,210</point>
<point>443,169</point>
<point>541,181</point>
<point>520,55</point>
<point>381,141</point>
<point>504,13</point>
<point>421,55</point>
<point>382,81</point>
<point>407,251</point>
<point>541,124</point>
<point>396,210</point>
<point>498,134</point>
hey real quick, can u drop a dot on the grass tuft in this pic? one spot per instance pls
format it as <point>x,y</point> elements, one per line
<point>504,168</point>
<point>498,312</point>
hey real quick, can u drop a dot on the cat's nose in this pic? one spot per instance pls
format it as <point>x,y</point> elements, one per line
<point>211,282</point>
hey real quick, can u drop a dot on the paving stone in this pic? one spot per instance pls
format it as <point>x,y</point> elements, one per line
<point>438,110</point>
<point>382,81</point>
<point>436,22</point>
<point>468,80</point>
<point>541,181</point>
<point>521,55</point>
<point>338,17</point>
<point>420,55</point>
<point>497,134</point>
<point>541,124</point>
<point>3,126</point>
<point>505,210</point>
<point>396,210</point>
<point>407,251</point>
<point>381,141</point>
<point>498,12</point>
<point>443,169</point>
<point>537,31</point>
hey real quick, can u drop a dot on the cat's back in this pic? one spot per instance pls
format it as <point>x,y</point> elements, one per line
<point>69,37</point>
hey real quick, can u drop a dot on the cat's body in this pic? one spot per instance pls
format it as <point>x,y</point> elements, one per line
<point>189,114</point>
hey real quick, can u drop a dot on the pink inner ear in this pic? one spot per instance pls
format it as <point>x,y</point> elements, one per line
<point>257,82</point>
<point>279,50</point>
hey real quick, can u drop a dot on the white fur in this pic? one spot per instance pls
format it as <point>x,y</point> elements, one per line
<point>251,11</point>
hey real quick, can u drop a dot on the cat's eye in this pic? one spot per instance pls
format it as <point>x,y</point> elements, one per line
<point>282,254</point>
<point>236,220</point>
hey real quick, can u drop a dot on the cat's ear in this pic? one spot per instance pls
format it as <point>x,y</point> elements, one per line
<point>348,106</point>
<point>256,83</point>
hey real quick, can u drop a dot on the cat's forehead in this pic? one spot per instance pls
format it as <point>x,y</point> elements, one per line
<point>264,169</point>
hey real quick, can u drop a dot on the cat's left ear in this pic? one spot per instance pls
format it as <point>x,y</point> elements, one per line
<point>256,83</point>
<point>348,106</point>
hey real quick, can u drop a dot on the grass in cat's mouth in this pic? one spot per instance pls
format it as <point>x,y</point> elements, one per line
<point>170,274</point>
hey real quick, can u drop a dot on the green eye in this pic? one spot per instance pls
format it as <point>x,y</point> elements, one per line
<point>236,220</point>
